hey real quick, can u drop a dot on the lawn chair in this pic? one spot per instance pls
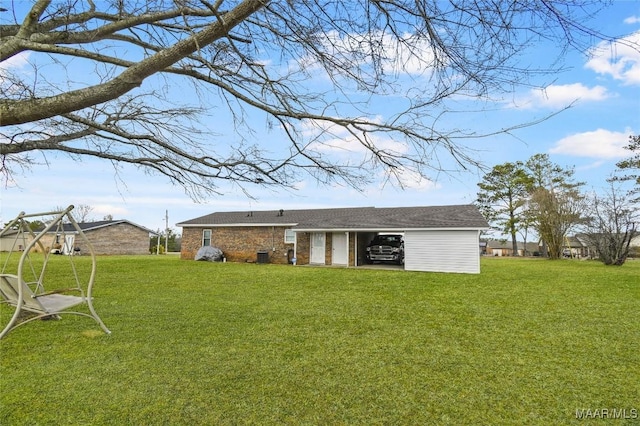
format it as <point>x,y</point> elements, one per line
<point>31,297</point>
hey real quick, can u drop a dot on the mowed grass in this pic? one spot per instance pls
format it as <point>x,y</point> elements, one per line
<point>524,342</point>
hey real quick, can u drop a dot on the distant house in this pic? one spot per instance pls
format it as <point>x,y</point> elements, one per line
<point>505,248</point>
<point>575,246</point>
<point>579,246</point>
<point>499,248</point>
<point>436,238</point>
<point>106,237</point>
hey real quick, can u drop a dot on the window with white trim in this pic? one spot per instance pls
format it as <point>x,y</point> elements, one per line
<point>289,236</point>
<point>206,237</point>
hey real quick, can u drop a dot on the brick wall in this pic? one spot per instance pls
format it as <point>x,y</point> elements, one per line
<point>122,238</point>
<point>191,242</point>
<point>328,245</point>
<point>303,247</point>
<point>239,244</point>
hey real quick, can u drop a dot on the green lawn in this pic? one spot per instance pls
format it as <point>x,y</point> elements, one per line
<point>524,342</point>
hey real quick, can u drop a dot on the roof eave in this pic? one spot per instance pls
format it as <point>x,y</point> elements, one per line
<point>231,225</point>
<point>382,229</point>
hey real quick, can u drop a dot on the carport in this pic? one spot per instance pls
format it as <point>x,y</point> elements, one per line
<point>434,250</point>
<point>436,239</point>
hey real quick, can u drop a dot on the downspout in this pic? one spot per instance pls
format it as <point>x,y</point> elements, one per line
<point>355,250</point>
<point>295,247</point>
<point>347,243</point>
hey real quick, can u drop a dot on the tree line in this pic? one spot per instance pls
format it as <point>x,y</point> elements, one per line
<point>540,196</point>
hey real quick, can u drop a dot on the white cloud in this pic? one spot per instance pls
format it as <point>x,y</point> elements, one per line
<point>15,63</point>
<point>599,143</point>
<point>410,179</point>
<point>619,59</point>
<point>591,166</point>
<point>632,20</point>
<point>102,210</point>
<point>413,60</point>
<point>350,145</point>
<point>411,55</point>
<point>337,139</point>
<point>560,96</point>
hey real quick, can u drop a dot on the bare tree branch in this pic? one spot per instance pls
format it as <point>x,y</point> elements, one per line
<point>309,69</point>
<point>24,111</point>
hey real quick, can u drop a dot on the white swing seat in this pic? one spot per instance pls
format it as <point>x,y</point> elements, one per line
<point>39,304</point>
<point>43,305</point>
<point>56,303</point>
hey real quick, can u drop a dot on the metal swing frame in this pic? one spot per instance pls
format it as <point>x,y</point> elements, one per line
<point>30,296</point>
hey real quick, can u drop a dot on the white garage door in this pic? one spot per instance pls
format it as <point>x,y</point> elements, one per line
<point>442,251</point>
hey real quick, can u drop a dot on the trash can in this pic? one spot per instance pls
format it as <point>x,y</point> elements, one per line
<point>263,256</point>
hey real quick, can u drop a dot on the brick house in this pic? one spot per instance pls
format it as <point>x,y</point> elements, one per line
<point>505,248</point>
<point>106,237</point>
<point>436,238</point>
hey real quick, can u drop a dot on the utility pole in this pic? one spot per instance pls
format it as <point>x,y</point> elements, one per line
<point>166,232</point>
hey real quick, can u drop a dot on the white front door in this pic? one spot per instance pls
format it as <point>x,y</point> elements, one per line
<point>339,249</point>
<point>67,247</point>
<point>317,248</point>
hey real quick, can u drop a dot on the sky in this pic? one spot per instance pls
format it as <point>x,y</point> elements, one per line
<point>603,89</point>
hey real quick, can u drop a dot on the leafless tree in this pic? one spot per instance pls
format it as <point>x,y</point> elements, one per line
<point>82,212</point>
<point>613,222</point>
<point>103,76</point>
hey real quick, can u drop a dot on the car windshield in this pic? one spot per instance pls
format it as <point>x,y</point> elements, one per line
<point>387,238</point>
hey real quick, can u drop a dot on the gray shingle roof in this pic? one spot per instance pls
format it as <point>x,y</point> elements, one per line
<point>90,226</point>
<point>456,216</point>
